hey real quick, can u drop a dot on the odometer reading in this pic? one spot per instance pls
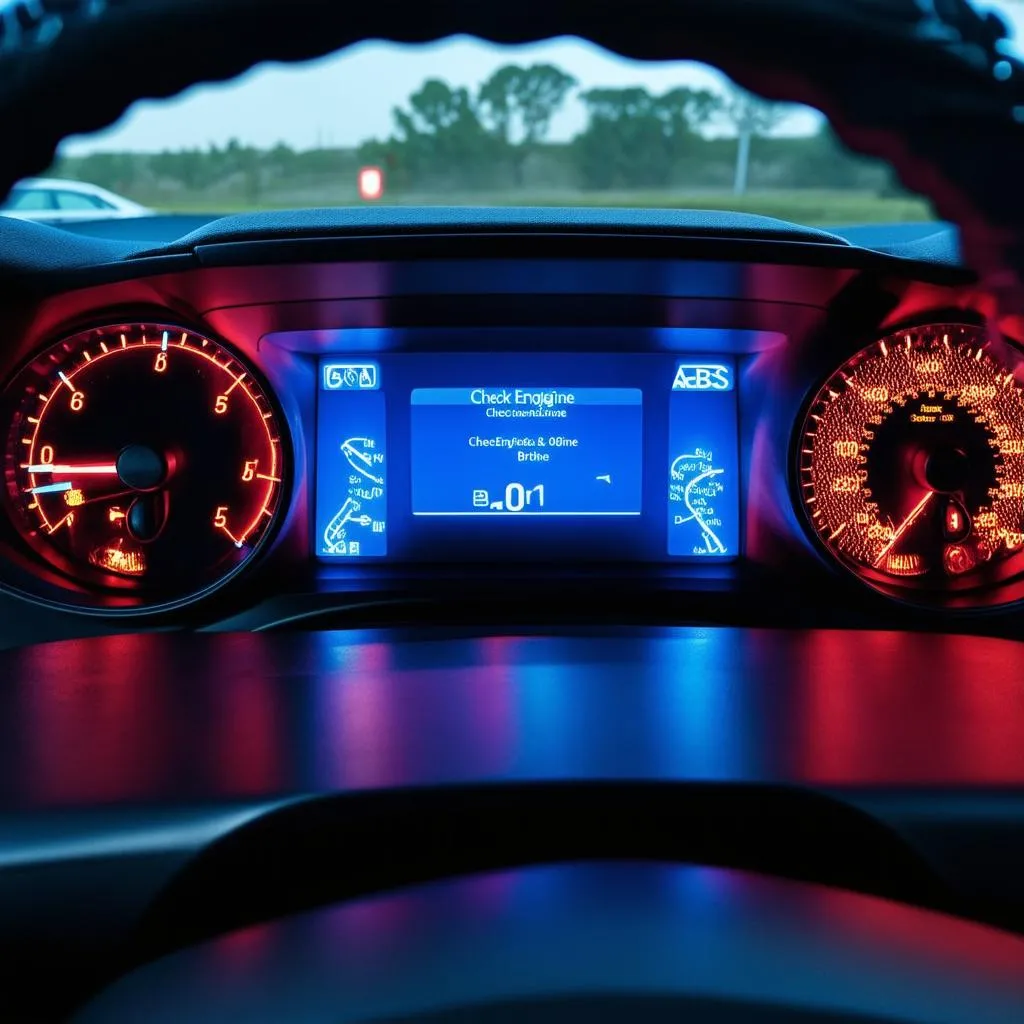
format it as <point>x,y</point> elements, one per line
<point>912,459</point>
<point>143,457</point>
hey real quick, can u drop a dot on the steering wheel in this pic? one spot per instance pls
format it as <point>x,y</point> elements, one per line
<point>72,66</point>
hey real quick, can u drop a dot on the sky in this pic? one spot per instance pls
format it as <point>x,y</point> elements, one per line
<point>347,98</point>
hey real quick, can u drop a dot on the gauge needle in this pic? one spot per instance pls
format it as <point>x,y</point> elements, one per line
<point>58,469</point>
<point>904,526</point>
<point>106,497</point>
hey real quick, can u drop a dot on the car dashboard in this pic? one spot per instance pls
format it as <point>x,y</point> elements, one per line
<point>384,417</point>
<point>586,535</point>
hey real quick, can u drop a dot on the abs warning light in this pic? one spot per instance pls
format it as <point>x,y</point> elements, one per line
<point>703,377</point>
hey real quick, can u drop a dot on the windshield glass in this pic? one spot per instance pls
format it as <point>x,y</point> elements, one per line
<point>463,122</point>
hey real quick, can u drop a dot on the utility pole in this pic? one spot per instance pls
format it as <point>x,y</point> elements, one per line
<point>739,185</point>
<point>751,117</point>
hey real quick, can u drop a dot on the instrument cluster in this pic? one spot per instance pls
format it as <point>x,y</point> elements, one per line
<point>143,461</point>
<point>911,462</point>
<point>150,463</point>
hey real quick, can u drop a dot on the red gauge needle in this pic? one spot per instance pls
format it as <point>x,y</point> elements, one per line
<point>58,469</point>
<point>109,496</point>
<point>904,526</point>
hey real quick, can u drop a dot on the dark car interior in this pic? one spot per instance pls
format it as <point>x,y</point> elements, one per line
<point>491,614</point>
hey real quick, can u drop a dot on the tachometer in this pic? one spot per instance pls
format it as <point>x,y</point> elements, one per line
<point>912,460</point>
<point>143,457</point>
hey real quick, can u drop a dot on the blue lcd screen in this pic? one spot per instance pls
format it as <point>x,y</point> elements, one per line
<point>703,510</point>
<point>352,494</point>
<point>523,456</point>
<point>501,450</point>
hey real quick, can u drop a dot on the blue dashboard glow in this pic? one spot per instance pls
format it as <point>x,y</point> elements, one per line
<point>703,512</point>
<point>352,496</point>
<point>425,456</point>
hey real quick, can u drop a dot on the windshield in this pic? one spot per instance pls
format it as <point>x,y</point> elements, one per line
<point>463,122</point>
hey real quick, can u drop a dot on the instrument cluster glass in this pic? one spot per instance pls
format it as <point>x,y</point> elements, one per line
<point>142,458</point>
<point>911,462</point>
<point>146,464</point>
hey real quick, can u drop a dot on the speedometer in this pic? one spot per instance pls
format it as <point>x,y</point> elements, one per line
<point>911,461</point>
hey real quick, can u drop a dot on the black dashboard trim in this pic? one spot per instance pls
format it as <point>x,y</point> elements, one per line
<point>46,259</point>
<point>406,221</point>
<point>560,245</point>
<point>23,283</point>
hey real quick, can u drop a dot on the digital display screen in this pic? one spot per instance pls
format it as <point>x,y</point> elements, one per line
<point>703,509</point>
<point>518,451</point>
<point>352,478</point>
<point>520,456</point>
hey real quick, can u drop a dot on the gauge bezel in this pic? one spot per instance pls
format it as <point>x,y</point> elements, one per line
<point>38,580</point>
<point>1004,586</point>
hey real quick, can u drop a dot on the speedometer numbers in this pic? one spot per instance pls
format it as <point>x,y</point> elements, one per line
<point>143,457</point>
<point>912,460</point>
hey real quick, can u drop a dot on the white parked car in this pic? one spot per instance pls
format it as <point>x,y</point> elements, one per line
<point>55,200</point>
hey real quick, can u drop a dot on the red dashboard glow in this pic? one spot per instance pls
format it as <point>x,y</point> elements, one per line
<point>912,459</point>
<point>142,456</point>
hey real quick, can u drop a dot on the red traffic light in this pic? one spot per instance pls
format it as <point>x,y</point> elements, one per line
<point>371,183</point>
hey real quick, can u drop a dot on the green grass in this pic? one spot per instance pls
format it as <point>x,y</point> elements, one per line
<point>801,207</point>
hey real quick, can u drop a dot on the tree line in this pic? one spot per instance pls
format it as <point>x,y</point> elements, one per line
<point>449,137</point>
